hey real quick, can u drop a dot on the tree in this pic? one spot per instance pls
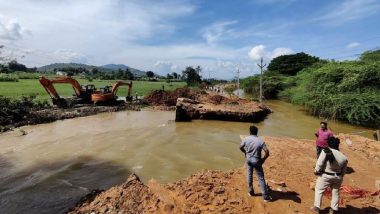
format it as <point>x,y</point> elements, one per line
<point>175,75</point>
<point>3,69</point>
<point>291,64</point>
<point>128,75</point>
<point>150,74</point>
<point>273,83</point>
<point>372,56</point>
<point>15,66</point>
<point>191,76</point>
<point>120,74</point>
<point>199,70</point>
<point>70,73</point>
<point>34,69</point>
<point>94,71</point>
<point>2,58</point>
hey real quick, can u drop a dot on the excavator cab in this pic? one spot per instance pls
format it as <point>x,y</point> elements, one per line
<point>87,90</point>
<point>106,89</point>
<point>107,94</point>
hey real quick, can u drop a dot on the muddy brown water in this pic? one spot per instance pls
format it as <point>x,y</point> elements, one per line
<point>50,168</point>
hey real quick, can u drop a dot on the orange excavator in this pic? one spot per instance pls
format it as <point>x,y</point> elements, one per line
<point>82,93</point>
<point>107,94</point>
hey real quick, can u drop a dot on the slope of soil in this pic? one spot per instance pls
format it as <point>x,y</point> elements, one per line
<point>289,172</point>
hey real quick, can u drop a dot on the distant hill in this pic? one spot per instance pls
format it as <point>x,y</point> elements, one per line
<point>116,67</point>
<point>59,66</point>
<point>104,68</point>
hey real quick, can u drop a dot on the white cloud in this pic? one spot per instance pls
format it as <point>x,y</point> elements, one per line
<point>217,31</point>
<point>7,54</point>
<point>353,45</point>
<point>165,67</point>
<point>133,32</point>
<point>99,29</point>
<point>67,55</point>
<point>257,52</point>
<point>348,10</point>
<point>281,51</point>
<point>10,29</point>
<point>260,51</point>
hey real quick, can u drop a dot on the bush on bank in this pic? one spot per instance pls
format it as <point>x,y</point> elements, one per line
<point>17,110</point>
<point>348,91</point>
<point>273,83</point>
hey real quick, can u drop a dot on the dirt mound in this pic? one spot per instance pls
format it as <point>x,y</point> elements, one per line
<point>130,197</point>
<point>169,98</point>
<point>211,106</point>
<point>289,171</point>
<point>217,99</point>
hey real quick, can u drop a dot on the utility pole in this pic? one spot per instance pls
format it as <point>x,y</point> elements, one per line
<point>261,66</point>
<point>238,82</point>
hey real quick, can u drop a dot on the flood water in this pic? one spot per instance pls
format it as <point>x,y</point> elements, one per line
<point>50,168</point>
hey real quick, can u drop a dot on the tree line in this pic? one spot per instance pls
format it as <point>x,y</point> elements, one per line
<point>347,90</point>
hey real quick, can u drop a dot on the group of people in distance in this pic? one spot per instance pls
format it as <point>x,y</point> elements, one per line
<point>330,166</point>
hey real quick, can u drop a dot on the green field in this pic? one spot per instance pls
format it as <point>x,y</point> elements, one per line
<point>33,87</point>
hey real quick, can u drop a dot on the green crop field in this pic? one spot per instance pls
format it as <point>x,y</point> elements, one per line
<point>33,87</point>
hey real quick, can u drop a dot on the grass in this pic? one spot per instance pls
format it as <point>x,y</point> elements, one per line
<point>26,87</point>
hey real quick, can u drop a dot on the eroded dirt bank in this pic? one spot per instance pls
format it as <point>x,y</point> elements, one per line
<point>199,104</point>
<point>47,115</point>
<point>288,172</point>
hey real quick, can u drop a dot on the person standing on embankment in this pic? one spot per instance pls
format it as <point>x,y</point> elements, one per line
<point>330,167</point>
<point>252,146</point>
<point>323,135</point>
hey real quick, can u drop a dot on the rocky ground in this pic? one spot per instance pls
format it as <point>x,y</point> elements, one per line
<point>289,172</point>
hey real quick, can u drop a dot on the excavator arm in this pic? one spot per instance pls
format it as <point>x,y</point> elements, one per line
<point>121,83</point>
<point>83,95</point>
<point>68,80</point>
<point>48,86</point>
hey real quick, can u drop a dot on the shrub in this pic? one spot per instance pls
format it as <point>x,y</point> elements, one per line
<point>14,111</point>
<point>8,78</point>
<point>273,83</point>
<point>24,75</point>
<point>348,91</point>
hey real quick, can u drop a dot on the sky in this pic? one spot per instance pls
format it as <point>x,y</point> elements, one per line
<point>166,36</point>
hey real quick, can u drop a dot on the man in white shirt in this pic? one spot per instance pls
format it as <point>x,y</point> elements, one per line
<point>330,167</point>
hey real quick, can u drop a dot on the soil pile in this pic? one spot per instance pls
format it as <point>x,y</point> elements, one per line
<point>289,172</point>
<point>169,98</point>
<point>211,106</point>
